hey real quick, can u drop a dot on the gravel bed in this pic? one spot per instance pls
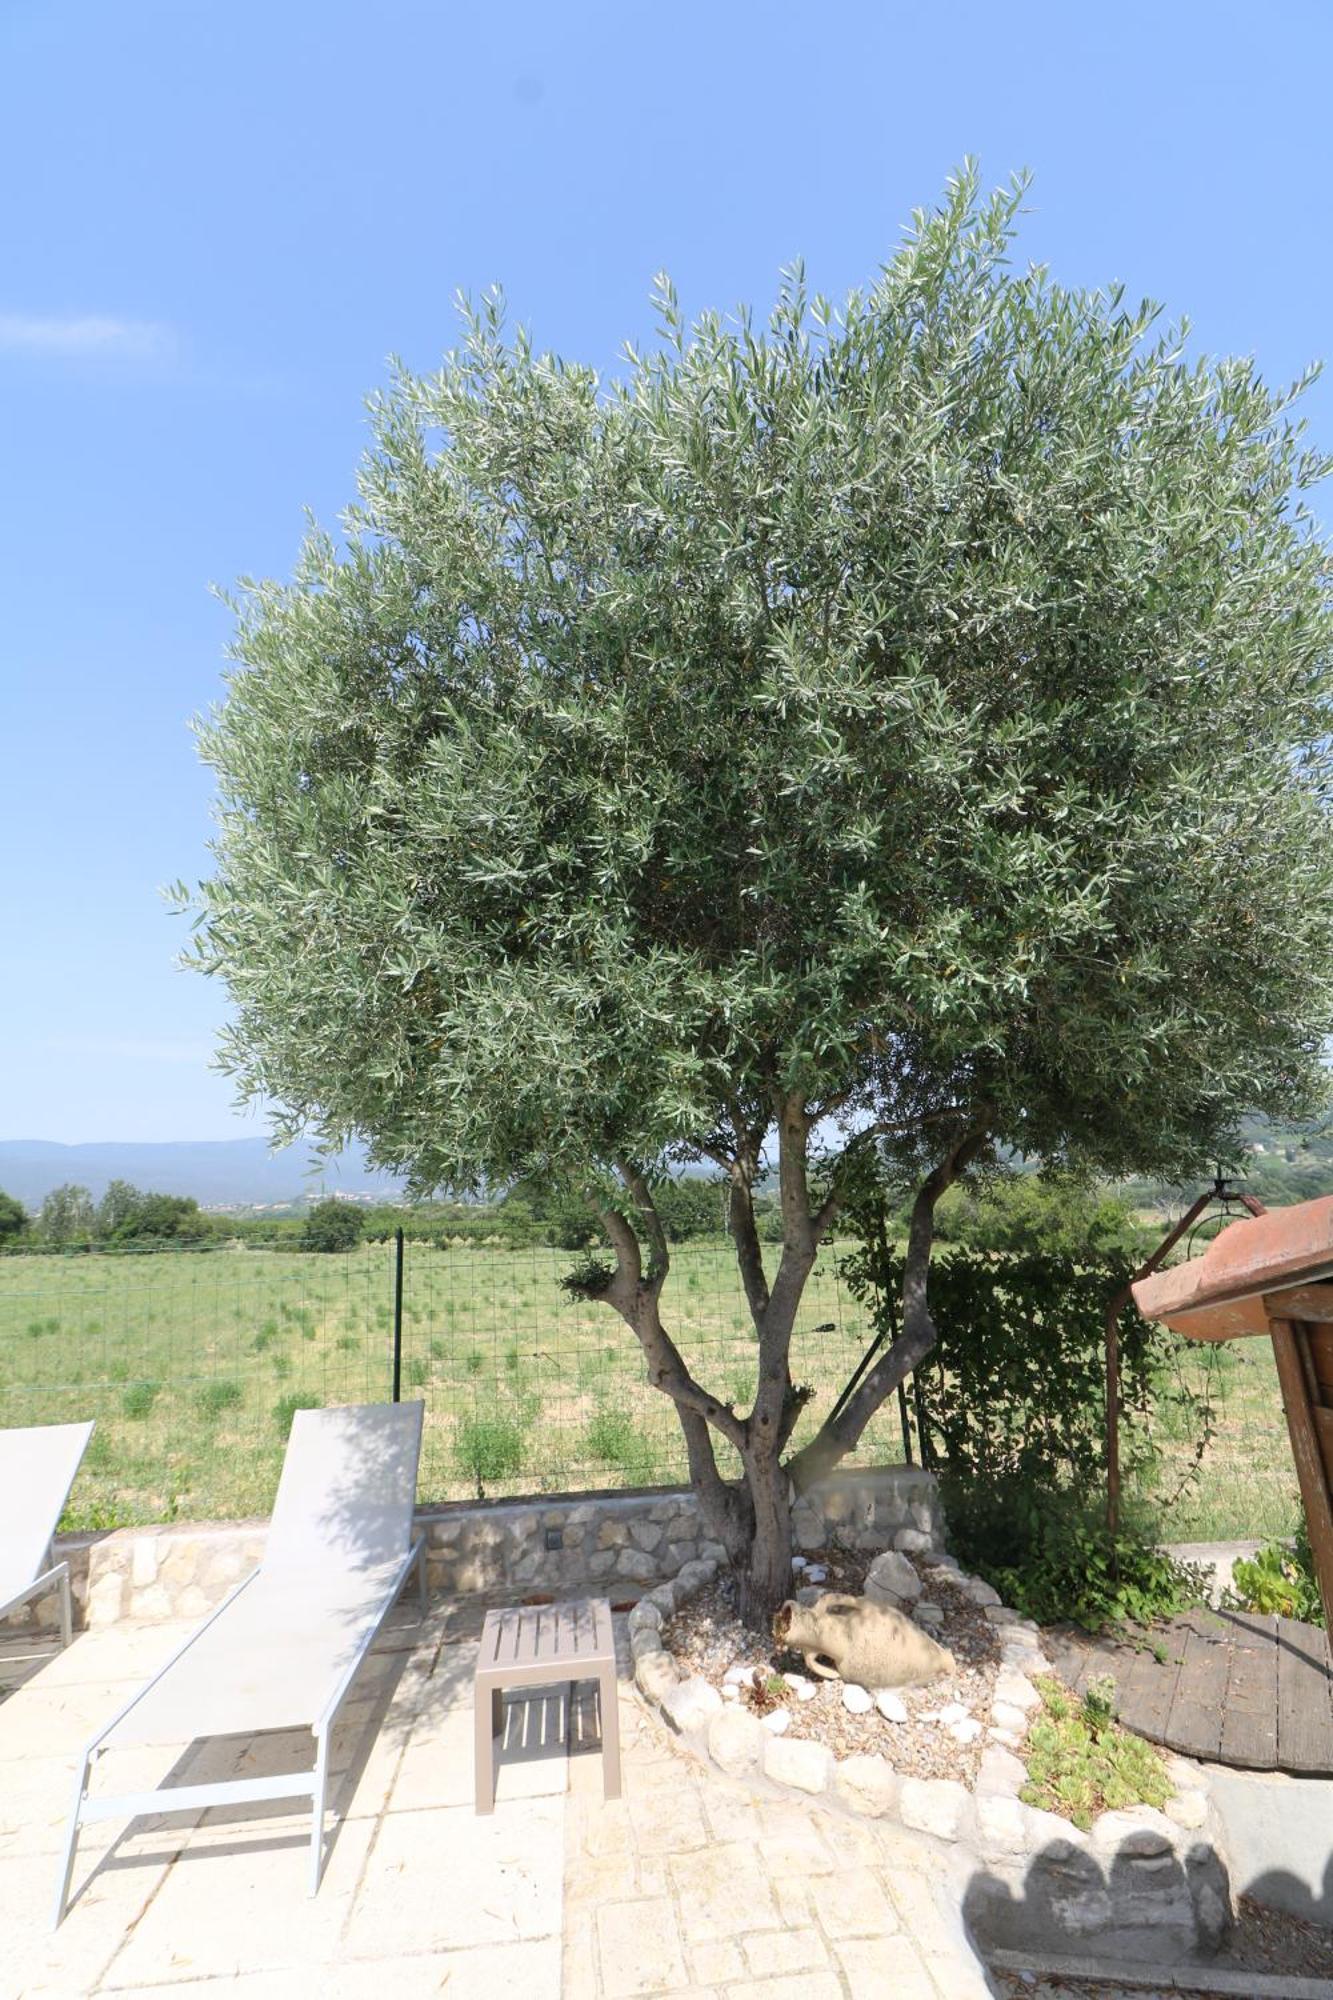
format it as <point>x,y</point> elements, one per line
<point>707,1638</point>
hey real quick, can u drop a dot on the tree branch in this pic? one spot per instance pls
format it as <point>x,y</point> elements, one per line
<point>659,1261</point>
<point>840,1434</point>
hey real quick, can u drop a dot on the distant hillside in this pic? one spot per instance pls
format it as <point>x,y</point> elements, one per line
<point>219,1173</point>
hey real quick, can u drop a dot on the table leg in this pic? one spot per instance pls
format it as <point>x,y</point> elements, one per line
<point>488,1720</point>
<point>608,1700</point>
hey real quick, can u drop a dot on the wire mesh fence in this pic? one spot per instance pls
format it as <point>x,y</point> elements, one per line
<point>193,1362</point>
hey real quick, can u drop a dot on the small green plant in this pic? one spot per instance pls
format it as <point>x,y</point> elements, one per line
<point>475,1362</point>
<point>489,1448</point>
<point>212,1398</point>
<point>418,1374</point>
<point>266,1336</point>
<point>282,1366</point>
<point>1081,1763</point>
<point>139,1398</point>
<point>346,1342</point>
<point>1279,1580</point>
<point>286,1407</point>
<point>612,1437</point>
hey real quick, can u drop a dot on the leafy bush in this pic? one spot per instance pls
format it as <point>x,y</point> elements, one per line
<point>1046,1549</point>
<point>332,1225</point>
<point>215,1397</point>
<point>1047,1216</point>
<point>489,1448</point>
<point>286,1407</point>
<point>1081,1763</point>
<point>612,1437</point>
<point>139,1398</point>
<point>1279,1580</point>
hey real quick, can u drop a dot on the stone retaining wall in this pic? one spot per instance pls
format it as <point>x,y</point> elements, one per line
<point>627,1541</point>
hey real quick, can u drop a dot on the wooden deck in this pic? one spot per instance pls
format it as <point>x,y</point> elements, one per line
<point>1231,1687</point>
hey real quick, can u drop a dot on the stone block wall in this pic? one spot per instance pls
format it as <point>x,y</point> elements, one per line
<point>611,1541</point>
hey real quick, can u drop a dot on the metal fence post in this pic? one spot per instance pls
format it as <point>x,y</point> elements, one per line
<point>397,1315</point>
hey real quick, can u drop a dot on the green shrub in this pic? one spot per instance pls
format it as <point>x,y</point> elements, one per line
<point>475,1362</point>
<point>418,1374</point>
<point>139,1398</point>
<point>333,1225</point>
<point>1279,1580</point>
<point>286,1407</point>
<point>489,1448</point>
<point>1046,1549</point>
<point>266,1336</point>
<point>612,1437</point>
<point>213,1398</point>
<point>1081,1763</point>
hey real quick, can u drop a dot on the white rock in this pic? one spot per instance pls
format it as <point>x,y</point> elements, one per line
<point>979,1591</point>
<point>999,1772</point>
<point>1010,1721</point>
<point>866,1785</point>
<point>856,1700</point>
<point>912,1541</point>
<point>1005,1737</point>
<point>777,1721</point>
<point>999,1614</point>
<point>798,1683</point>
<point>816,1573</point>
<point>1188,1809</point>
<point>928,1614</point>
<point>657,1674</point>
<point>1016,1690</point>
<point>691,1705</point>
<point>735,1741</point>
<point>808,1766</point>
<point>1140,1832</point>
<point>731,1693</point>
<point>799,1563</point>
<point>953,1711</point>
<point>966,1731</point>
<point>1185,1776</point>
<point>891,1706</point>
<point>643,1617</point>
<point>892,1580</point>
<point>934,1805</point>
<point>809,1593</point>
<point>1001,1825</point>
<point>808,1690</point>
<point>737,1675</point>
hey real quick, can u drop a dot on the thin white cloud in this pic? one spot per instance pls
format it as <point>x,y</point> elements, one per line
<point>78,336</point>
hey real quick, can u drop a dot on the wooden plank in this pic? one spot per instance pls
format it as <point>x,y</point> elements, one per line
<point>1304,1701</point>
<point>1321,1353</point>
<point>1309,1461</point>
<point>1194,1724</point>
<point>1249,1714</point>
<point>1156,1689</point>
<point>1312,1302</point>
<point>1323,1425</point>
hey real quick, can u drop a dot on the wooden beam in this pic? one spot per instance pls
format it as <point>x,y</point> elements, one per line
<point>1313,1302</point>
<point>1308,1457</point>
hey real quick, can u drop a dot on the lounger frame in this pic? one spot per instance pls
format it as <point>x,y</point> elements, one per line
<point>312,1784</point>
<point>54,1577</point>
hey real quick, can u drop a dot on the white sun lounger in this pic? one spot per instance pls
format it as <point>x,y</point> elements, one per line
<point>37,1468</point>
<point>282,1651</point>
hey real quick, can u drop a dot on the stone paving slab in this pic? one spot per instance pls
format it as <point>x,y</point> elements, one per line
<point>689,1887</point>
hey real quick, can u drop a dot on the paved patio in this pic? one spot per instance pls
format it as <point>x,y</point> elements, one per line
<point>687,1887</point>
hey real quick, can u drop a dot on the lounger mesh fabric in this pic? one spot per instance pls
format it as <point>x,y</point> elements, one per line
<point>281,1653</point>
<point>37,1469</point>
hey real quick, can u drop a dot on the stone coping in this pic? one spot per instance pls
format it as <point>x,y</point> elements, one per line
<point>1151,1880</point>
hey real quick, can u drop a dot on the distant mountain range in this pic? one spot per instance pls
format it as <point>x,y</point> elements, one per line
<point>219,1173</point>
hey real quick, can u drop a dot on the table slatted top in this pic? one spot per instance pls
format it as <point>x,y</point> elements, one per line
<point>1228,1687</point>
<point>532,1637</point>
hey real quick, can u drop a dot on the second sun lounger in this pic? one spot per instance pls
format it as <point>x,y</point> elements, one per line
<point>37,1468</point>
<point>282,1651</point>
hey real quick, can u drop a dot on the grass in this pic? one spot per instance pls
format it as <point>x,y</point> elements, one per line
<point>1081,1763</point>
<point>183,1360</point>
<point>192,1366</point>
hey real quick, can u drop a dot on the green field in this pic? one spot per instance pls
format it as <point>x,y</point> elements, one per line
<point>192,1365</point>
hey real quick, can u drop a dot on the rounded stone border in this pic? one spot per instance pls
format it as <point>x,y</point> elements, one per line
<point>988,1819</point>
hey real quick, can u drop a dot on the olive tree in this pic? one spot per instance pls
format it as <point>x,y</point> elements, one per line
<point>896,731</point>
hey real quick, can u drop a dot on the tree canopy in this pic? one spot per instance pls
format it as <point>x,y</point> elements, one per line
<point>898,726</point>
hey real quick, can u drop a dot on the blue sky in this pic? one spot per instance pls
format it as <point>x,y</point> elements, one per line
<point>219,221</point>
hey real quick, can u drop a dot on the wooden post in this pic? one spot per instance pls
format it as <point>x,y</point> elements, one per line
<point>1310,1471</point>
